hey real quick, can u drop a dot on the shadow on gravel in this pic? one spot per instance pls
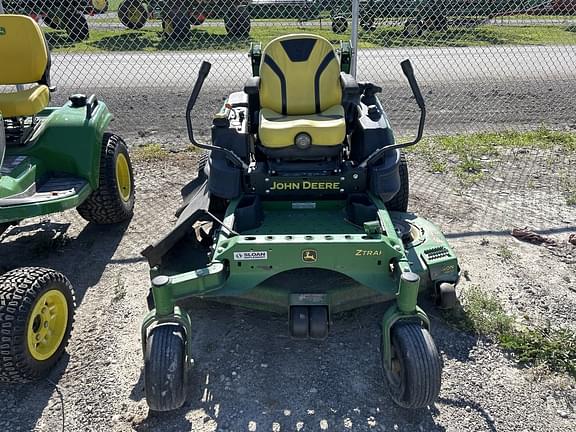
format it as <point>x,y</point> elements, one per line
<point>83,261</point>
<point>249,375</point>
<point>464,403</point>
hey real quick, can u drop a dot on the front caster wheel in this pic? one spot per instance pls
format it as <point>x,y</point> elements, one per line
<point>447,298</point>
<point>113,201</point>
<point>36,314</point>
<point>165,368</point>
<point>416,372</point>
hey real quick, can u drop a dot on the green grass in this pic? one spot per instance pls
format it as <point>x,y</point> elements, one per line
<point>473,153</point>
<point>149,152</point>
<point>215,38</point>
<point>483,314</point>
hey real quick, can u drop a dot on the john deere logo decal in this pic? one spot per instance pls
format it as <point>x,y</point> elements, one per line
<point>2,31</point>
<point>309,255</point>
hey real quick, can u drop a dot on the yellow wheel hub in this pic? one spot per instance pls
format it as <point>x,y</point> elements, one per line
<point>47,325</point>
<point>99,5</point>
<point>135,14</point>
<point>123,179</point>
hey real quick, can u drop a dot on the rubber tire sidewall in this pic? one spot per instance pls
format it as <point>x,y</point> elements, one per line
<point>123,10</point>
<point>165,349</point>
<point>237,23</point>
<point>20,290</point>
<point>399,202</point>
<point>105,205</point>
<point>77,27</point>
<point>421,366</point>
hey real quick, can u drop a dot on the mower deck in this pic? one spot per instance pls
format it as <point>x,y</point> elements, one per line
<point>260,267</point>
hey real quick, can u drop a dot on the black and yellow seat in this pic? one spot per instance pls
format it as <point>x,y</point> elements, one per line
<point>301,89</point>
<point>25,60</point>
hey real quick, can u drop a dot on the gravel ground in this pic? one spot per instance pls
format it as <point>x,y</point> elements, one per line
<point>240,383</point>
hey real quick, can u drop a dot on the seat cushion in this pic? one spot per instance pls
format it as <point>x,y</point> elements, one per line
<point>326,129</point>
<point>24,103</point>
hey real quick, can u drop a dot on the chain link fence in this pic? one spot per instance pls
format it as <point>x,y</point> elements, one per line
<point>484,64</point>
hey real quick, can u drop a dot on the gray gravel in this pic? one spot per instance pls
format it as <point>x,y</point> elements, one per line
<point>250,376</point>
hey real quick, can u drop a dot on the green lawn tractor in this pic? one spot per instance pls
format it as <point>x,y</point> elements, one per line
<point>178,16</point>
<point>66,15</point>
<point>51,159</point>
<point>300,208</point>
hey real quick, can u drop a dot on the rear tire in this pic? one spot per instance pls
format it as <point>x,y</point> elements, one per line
<point>132,14</point>
<point>113,201</point>
<point>165,368</point>
<point>36,316</point>
<point>176,25</point>
<point>237,22</point>
<point>339,24</point>
<point>77,26</point>
<point>416,374</point>
<point>399,202</point>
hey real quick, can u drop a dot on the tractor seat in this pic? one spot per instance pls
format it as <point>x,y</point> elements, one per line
<point>25,103</point>
<point>300,94</point>
<point>326,128</point>
<point>24,49</point>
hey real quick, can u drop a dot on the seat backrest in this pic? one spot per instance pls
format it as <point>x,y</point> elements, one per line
<point>299,74</point>
<point>23,52</point>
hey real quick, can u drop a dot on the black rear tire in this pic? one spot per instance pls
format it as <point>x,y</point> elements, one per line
<point>237,22</point>
<point>416,374</point>
<point>339,24</point>
<point>77,26</point>
<point>132,14</point>
<point>176,25</point>
<point>110,204</point>
<point>399,202</point>
<point>21,290</point>
<point>165,368</point>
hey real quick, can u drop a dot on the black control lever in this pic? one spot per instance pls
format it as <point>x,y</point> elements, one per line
<point>202,74</point>
<point>409,73</point>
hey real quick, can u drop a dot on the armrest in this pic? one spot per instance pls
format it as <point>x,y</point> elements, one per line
<point>252,86</point>
<point>349,84</point>
<point>350,99</point>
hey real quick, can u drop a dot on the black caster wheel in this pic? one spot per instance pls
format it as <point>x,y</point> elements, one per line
<point>318,322</point>
<point>415,377</point>
<point>165,368</point>
<point>447,296</point>
<point>299,322</point>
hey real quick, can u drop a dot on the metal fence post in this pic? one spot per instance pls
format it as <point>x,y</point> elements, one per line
<point>354,36</point>
<point>1,7</point>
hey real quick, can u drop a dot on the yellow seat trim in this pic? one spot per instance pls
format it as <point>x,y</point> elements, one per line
<point>24,55</point>
<point>326,129</point>
<point>24,103</point>
<point>306,82</point>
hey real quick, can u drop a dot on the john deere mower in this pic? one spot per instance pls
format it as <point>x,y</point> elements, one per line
<point>300,208</point>
<point>51,159</point>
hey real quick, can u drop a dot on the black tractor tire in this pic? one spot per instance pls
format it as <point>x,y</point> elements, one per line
<point>132,14</point>
<point>176,25</point>
<point>237,22</point>
<point>111,203</point>
<point>99,9</point>
<point>339,24</point>
<point>416,374</point>
<point>165,368</point>
<point>54,22</point>
<point>367,23</point>
<point>76,26</point>
<point>399,202</point>
<point>21,290</point>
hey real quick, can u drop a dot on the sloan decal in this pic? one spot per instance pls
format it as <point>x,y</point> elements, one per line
<point>249,256</point>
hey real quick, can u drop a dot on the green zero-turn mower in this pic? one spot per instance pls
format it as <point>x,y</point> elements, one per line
<point>300,208</point>
<point>51,159</point>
